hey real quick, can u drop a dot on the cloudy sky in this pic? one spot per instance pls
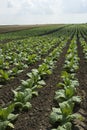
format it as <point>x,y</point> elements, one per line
<point>42,11</point>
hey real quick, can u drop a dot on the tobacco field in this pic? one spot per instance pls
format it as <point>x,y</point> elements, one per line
<point>43,78</point>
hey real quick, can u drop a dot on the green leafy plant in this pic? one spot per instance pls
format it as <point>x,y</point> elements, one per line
<point>4,76</point>
<point>21,99</point>
<point>35,77</point>
<point>15,71</point>
<point>33,82</point>
<point>32,58</point>
<point>20,65</point>
<point>64,114</point>
<point>6,117</point>
<point>71,66</point>
<point>44,69</point>
<point>68,93</point>
<point>65,126</point>
<point>68,80</point>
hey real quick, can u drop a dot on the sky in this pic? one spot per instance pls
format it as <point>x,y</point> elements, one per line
<point>42,11</point>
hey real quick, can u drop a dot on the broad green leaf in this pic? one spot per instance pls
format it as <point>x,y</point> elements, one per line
<point>75,116</point>
<point>69,92</point>
<point>35,93</point>
<point>60,95</point>
<point>66,126</point>
<point>12,116</point>
<point>11,125</point>
<point>27,105</point>
<point>41,82</point>
<point>66,108</point>
<point>56,115</point>
<point>76,99</point>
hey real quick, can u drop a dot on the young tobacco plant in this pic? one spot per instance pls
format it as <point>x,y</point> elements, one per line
<point>63,115</point>
<point>33,82</point>
<point>65,126</point>
<point>68,80</point>
<point>4,76</point>
<point>32,58</point>
<point>44,69</point>
<point>68,93</point>
<point>6,117</point>
<point>21,99</point>
<point>66,97</point>
<point>69,88</point>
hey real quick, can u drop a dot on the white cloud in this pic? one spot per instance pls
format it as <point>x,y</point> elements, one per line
<point>37,7</point>
<point>42,11</point>
<point>75,6</point>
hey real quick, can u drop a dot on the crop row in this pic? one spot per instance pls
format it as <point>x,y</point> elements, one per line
<point>84,46</point>
<point>66,97</point>
<point>16,56</point>
<point>13,61</point>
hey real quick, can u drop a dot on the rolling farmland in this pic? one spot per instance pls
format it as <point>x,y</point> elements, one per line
<point>43,78</point>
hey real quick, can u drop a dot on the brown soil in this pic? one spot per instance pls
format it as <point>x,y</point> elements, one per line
<point>14,28</point>
<point>38,117</point>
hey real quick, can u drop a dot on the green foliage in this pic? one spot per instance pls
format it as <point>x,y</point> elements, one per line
<point>21,99</point>
<point>32,58</point>
<point>65,97</point>
<point>4,76</point>
<point>65,126</point>
<point>68,93</point>
<point>44,69</point>
<point>6,116</point>
<point>64,113</point>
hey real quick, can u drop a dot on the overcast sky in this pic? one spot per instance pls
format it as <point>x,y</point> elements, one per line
<point>42,11</point>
